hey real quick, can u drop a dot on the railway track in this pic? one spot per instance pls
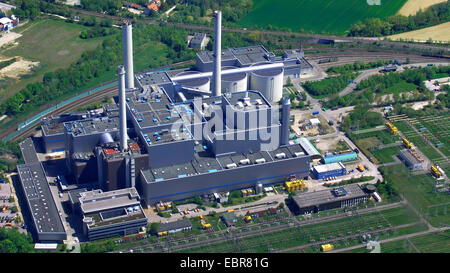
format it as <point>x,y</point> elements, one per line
<point>107,92</point>
<point>279,33</point>
<point>222,235</point>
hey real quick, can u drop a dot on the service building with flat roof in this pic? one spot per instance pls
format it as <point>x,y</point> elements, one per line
<point>312,202</point>
<point>47,222</point>
<point>112,213</point>
<point>329,170</point>
<point>176,226</point>
<point>412,160</point>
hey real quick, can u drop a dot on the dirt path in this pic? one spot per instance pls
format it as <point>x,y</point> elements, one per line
<point>9,37</point>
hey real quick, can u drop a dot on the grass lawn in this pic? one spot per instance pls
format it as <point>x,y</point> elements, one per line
<point>418,141</point>
<point>419,190</point>
<point>365,144</point>
<point>53,43</point>
<point>428,243</point>
<point>320,16</point>
<point>314,233</point>
<point>386,155</point>
<point>401,87</point>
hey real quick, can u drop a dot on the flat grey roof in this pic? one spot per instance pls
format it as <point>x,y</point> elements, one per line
<point>150,111</point>
<point>198,38</point>
<point>74,195</point>
<point>183,223</point>
<point>93,125</point>
<point>329,167</point>
<point>93,201</point>
<point>269,72</point>
<point>326,196</point>
<point>153,78</point>
<point>114,216</point>
<point>39,198</point>
<point>254,97</point>
<point>208,56</point>
<point>244,55</point>
<point>410,157</point>
<point>234,77</point>
<point>28,151</point>
<point>194,82</point>
<point>205,162</point>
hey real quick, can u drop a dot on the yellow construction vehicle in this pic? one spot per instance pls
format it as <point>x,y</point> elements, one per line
<point>162,233</point>
<point>435,172</point>
<point>247,218</point>
<point>407,143</point>
<point>206,225</point>
<point>295,185</point>
<point>391,128</point>
<point>326,247</point>
<point>360,168</point>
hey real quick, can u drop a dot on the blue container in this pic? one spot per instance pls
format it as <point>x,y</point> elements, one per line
<point>340,158</point>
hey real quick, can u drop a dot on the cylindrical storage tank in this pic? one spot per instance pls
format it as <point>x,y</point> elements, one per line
<point>268,81</point>
<point>202,84</point>
<point>371,188</point>
<point>234,82</point>
<point>259,187</point>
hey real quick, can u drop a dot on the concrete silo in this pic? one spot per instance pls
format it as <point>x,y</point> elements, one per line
<point>268,81</point>
<point>202,84</point>
<point>234,82</point>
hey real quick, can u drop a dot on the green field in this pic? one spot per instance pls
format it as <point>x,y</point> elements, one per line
<point>428,243</point>
<point>368,143</point>
<point>386,155</point>
<point>53,43</point>
<point>319,16</point>
<point>293,237</point>
<point>418,141</point>
<point>436,129</point>
<point>419,190</point>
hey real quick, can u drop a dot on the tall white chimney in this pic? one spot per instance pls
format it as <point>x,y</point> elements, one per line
<point>217,54</point>
<point>285,121</point>
<point>122,110</point>
<point>127,38</point>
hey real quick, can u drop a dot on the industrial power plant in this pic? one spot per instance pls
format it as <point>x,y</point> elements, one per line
<point>182,133</point>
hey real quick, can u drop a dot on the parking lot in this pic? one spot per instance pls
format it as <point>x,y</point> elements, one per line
<point>7,216</point>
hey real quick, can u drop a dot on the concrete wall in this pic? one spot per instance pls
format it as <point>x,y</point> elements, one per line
<point>226,180</point>
<point>54,143</point>
<point>170,153</point>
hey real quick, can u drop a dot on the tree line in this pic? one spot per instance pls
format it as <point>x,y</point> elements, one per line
<point>91,65</point>
<point>356,66</point>
<point>12,241</point>
<point>329,86</point>
<point>372,89</point>
<point>374,27</point>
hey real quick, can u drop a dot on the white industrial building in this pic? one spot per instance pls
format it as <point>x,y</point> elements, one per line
<point>314,122</point>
